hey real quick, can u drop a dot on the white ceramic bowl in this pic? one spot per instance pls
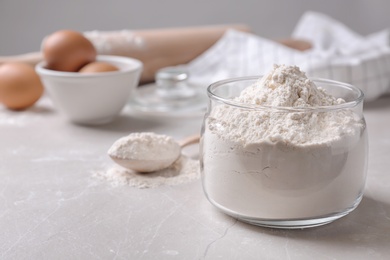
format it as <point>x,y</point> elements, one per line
<point>92,98</point>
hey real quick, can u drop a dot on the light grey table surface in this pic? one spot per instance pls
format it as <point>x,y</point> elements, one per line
<point>51,207</point>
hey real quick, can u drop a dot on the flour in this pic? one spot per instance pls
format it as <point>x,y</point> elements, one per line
<point>284,164</point>
<point>145,146</point>
<point>115,42</point>
<point>182,171</point>
<point>284,87</point>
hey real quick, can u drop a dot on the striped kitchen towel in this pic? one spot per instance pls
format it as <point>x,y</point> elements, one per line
<point>338,53</point>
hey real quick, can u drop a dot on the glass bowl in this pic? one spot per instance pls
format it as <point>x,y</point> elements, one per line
<point>273,181</point>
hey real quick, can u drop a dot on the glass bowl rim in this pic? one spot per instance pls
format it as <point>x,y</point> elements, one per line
<point>349,104</point>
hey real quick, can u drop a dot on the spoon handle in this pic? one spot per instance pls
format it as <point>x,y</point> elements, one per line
<point>192,139</point>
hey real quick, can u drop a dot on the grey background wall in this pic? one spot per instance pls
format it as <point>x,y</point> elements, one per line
<point>24,23</point>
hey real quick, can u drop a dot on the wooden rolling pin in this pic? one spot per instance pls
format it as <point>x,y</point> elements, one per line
<point>166,47</point>
<point>173,46</point>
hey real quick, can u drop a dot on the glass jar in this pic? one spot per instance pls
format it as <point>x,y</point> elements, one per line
<point>276,182</point>
<point>172,95</point>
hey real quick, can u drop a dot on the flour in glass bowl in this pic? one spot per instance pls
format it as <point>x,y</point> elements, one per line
<point>283,164</point>
<point>286,86</point>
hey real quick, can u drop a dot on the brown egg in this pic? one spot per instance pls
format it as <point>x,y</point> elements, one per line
<point>67,51</point>
<point>98,66</point>
<point>20,85</point>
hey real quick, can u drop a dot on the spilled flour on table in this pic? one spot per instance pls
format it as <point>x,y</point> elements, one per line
<point>182,171</point>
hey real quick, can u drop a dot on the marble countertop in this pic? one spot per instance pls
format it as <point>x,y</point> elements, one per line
<point>51,206</point>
